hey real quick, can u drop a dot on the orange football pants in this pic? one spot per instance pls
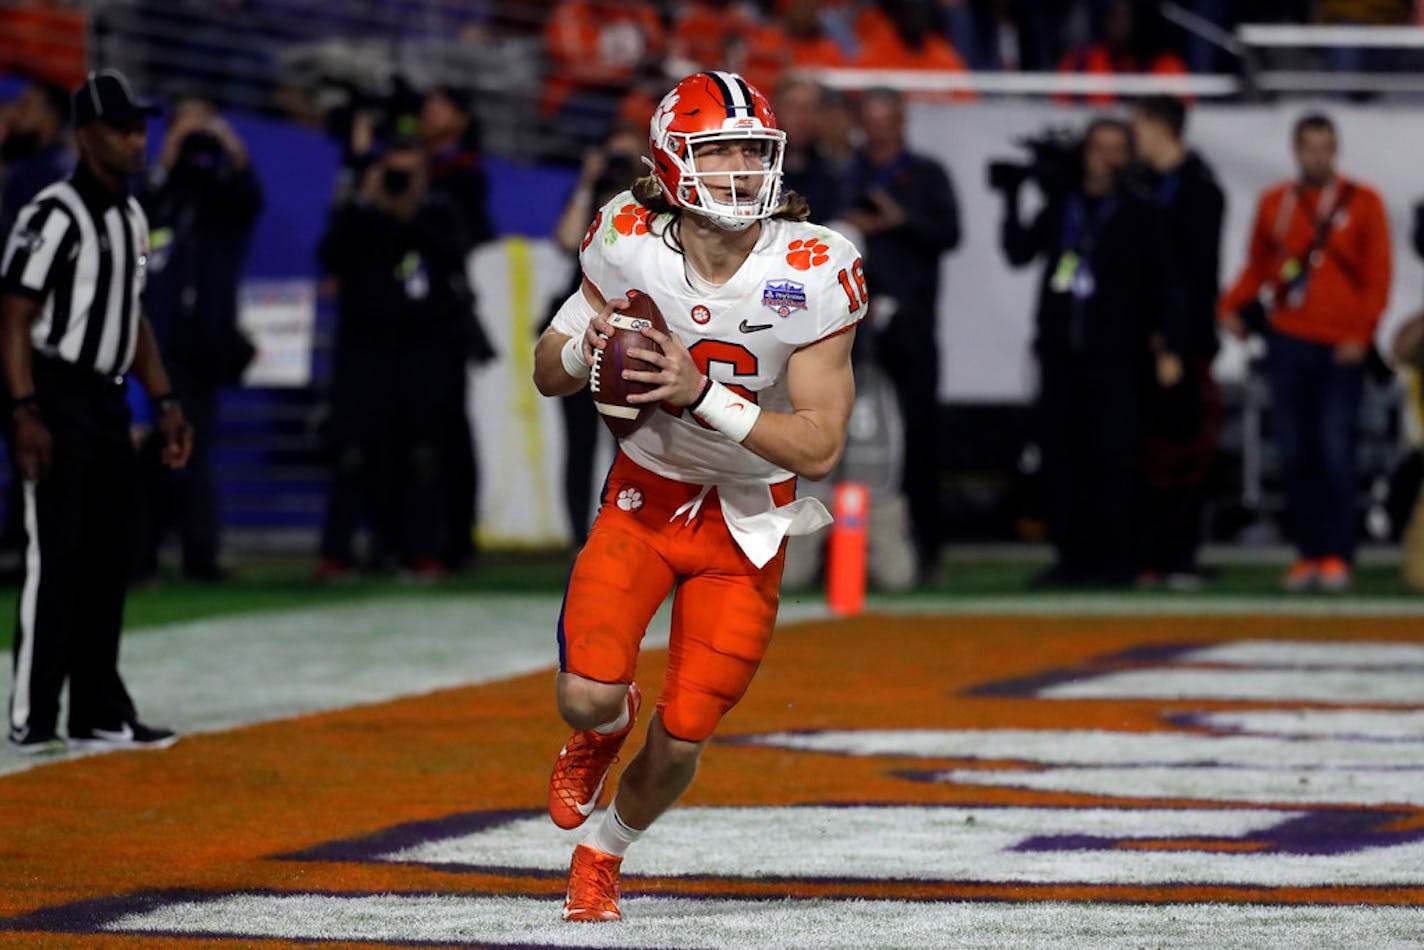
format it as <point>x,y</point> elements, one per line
<point>722,614</point>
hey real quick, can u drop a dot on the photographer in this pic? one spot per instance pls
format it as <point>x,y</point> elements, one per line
<point>202,200</point>
<point>394,256</point>
<point>904,206</point>
<point>1101,299</point>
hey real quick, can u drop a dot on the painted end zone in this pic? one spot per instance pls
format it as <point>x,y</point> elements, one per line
<point>886,782</point>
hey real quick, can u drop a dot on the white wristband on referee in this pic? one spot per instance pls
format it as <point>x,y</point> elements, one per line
<point>572,356</point>
<point>725,411</point>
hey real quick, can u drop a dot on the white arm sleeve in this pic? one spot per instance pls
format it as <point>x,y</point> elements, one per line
<point>573,317</point>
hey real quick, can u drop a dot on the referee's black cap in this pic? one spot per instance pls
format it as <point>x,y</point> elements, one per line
<point>106,96</point>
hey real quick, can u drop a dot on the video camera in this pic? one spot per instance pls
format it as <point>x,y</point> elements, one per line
<point>1054,165</point>
<point>393,109</point>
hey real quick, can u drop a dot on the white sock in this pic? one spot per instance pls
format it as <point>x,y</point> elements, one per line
<point>616,723</point>
<point>612,836</point>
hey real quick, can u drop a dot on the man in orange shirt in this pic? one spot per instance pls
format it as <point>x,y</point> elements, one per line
<point>1315,283</point>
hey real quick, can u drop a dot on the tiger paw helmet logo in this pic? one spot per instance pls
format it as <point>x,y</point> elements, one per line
<point>630,498</point>
<point>806,254</point>
<point>631,219</point>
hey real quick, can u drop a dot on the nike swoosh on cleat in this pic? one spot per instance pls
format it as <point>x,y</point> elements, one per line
<point>586,808</point>
<point>122,735</point>
<point>746,327</point>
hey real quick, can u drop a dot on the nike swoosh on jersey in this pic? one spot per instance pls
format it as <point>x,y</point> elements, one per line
<point>753,327</point>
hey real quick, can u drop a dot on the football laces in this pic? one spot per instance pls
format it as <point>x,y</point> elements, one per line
<point>593,375</point>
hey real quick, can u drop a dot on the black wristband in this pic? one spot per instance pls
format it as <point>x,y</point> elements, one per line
<point>27,401</point>
<point>706,388</point>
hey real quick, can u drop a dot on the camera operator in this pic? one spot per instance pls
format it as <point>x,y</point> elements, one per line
<point>1101,299</point>
<point>395,258</point>
<point>202,200</point>
<point>1183,405</point>
<point>904,206</point>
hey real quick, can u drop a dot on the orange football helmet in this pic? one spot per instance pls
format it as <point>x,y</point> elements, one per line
<point>717,107</point>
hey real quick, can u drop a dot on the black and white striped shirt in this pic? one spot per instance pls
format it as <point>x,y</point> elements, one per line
<point>81,250</point>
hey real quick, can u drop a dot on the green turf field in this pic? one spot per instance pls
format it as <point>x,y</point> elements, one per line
<point>277,583</point>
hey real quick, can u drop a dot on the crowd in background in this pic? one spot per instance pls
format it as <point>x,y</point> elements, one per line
<point>581,62</point>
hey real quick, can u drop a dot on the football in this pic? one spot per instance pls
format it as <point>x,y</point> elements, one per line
<point>610,390</point>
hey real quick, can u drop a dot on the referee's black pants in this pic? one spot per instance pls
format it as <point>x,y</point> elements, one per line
<point>78,524</point>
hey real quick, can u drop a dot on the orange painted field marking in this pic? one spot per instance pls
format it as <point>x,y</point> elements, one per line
<point>212,813</point>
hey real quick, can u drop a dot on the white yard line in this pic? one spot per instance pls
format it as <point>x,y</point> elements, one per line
<point>210,675</point>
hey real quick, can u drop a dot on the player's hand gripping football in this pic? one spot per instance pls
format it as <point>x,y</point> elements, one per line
<point>599,329</point>
<point>677,378</point>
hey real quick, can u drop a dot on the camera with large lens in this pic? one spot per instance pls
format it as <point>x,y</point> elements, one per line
<point>1054,163</point>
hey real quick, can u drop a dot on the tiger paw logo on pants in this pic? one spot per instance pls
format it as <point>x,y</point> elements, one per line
<point>630,498</point>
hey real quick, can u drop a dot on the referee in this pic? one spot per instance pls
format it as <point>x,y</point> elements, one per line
<point>70,329</point>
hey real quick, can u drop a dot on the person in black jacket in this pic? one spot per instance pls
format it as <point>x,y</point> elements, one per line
<point>1101,300</point>
<point>1184,407</point>
<point>450,135</point>
<point>800,103</point>
<point>396,256</point>
<point>202,201</point>
<point>903,205</point>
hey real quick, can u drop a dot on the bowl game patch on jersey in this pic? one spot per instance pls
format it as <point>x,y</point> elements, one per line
<point>784,297</point>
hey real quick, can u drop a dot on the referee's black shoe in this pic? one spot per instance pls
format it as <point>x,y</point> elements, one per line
<point>129,735</point>
<point>26,742</point>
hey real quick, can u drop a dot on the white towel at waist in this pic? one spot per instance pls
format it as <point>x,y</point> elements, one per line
<point>759,525</point>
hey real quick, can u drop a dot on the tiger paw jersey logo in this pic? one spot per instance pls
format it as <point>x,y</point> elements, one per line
<point>630,498</point>
<point>808,253</point>
<point>631,220</point>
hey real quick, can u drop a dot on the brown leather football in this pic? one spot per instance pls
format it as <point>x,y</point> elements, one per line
<point>610,390</point>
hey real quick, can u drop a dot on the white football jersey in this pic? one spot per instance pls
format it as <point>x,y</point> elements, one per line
<point>802,283</point>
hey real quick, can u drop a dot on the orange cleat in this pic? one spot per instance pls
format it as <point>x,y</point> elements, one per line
<point>593,886</point>
<point>582,768</point>
<point>1334,575</point>
<point>1303,575</point>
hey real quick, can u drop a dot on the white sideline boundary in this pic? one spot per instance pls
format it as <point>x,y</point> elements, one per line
<point>242,669</point>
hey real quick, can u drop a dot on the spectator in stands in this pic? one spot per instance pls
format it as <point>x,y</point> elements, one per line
<point>1124,44</point>
<point>904,206</point>
<point>449,135</point>
<point>800,104</point>
<point>810,45</point>
<point>728,35</point>
<point>597,51</point>
<point>1183,405</point>
<point>36,149</point>
<point>44,40</point>
<point>395,258</point>
<point>903,34</point>
<point>606,171</point>
<point>202,201</point>
<point>1101,298</point>
<point>1315,282</point>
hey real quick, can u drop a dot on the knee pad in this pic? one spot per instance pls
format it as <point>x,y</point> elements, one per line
<point>692,714</point>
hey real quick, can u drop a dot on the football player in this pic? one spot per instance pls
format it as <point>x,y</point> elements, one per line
<point>755,388</point>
